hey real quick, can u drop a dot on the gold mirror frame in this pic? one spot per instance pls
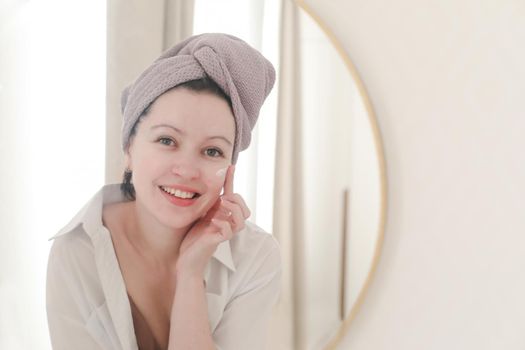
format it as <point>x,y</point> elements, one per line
<point>337,339</point>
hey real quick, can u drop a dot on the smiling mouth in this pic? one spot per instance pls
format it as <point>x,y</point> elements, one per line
<point>180,194</point>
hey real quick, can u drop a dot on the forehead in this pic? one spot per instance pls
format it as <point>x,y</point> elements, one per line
<point>196,111</point>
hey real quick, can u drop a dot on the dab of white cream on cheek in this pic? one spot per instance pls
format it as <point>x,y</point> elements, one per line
<point>221,172</point>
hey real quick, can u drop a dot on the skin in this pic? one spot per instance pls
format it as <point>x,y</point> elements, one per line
<point>167,247</point>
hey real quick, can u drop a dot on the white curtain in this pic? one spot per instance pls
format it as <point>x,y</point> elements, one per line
<point>52,72</point>
<point>288,185</point>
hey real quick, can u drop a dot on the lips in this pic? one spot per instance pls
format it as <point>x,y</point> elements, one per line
<point>179,195</point>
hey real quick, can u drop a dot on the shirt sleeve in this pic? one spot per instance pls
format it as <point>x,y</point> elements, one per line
<point>246,318</point>
<point>67,309</point>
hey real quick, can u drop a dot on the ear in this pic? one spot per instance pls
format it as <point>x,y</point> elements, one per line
<point>127,159</point>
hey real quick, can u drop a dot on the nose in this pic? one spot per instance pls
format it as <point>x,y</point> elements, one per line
<point>186,168</point>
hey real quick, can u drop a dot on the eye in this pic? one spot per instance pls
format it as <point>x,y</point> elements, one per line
<point>214,152</point>
<point>166,141</point>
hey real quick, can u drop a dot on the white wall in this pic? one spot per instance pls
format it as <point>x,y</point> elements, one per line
<point>447,82</point>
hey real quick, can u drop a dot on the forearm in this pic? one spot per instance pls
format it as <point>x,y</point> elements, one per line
<point>189,326</point>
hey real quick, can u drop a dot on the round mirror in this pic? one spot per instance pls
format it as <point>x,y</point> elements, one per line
<point>344,187</point>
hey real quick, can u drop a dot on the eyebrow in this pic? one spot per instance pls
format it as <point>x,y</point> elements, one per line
<point>184,133</point>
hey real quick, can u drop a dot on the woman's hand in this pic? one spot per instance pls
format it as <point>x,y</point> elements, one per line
<point>221,222</point>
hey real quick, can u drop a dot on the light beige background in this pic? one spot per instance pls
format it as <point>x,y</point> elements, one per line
<point>447,82</point>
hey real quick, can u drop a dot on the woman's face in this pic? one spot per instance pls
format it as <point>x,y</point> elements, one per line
<point>185,143</point>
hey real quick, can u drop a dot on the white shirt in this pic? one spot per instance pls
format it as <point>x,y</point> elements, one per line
<point>87,301</point>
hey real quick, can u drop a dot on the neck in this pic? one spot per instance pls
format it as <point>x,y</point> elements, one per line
<point>157,243</point>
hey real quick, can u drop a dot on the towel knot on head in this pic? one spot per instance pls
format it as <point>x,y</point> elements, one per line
<point>243,73</point>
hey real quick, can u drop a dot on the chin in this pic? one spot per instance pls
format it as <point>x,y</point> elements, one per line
<point>181,222</point>
<point>179,217</point>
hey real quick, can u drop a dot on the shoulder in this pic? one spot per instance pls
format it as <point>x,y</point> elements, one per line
<point>72,266</point>
<point>75,246</point>
<point>73,283</point>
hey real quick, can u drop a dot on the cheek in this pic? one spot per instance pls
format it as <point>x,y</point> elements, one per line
<point>150,162</point>
<point>214,184</point>
<point>143,170</point>
<point>214,177</point>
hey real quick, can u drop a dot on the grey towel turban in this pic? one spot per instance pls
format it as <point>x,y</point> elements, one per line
<point>240,70</point>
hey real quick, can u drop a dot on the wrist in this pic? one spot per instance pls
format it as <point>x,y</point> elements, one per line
<point>186,277</point>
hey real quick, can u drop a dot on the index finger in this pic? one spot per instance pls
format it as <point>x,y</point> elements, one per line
<point>228,181</point>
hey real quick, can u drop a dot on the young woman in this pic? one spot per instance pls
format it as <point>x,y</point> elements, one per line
<point>167,260</point>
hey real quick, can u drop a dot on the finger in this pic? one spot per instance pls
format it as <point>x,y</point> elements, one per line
<point>228,181</point>
<point>237,198</point>
<point>226,210</point>
<point>224,228</point>
<point>233,212</point>
<point>213,210</point>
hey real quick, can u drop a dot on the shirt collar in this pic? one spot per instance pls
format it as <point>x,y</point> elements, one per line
<point>90,217</point>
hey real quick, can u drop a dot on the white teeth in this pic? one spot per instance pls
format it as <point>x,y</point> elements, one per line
<point>178,193</point>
